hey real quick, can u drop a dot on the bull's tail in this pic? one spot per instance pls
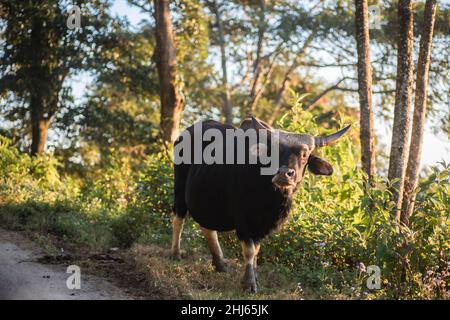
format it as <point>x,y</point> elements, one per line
<point>179,207</point>
<point>179,204</point>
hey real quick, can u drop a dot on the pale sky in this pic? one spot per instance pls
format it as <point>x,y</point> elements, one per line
<point>435,148</point>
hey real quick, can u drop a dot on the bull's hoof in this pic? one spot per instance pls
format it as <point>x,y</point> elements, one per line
<point>250,287</point>
<point>249,280</point>
<point>220,267</point>
<point>175,255</point>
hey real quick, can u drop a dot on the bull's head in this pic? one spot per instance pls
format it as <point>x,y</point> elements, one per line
<point>296,154</point>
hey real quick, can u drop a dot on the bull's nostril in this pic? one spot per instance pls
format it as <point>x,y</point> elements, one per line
<point>290,173</point>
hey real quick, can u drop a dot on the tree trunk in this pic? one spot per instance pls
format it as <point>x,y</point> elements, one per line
<point>401,127</point>
<point>258,65</point>
<point>169,82</point>
<point>39,123</point>
<point>367,137</point>
<point>415,150</point>
<point>39,126</point>
<point>227,107</point>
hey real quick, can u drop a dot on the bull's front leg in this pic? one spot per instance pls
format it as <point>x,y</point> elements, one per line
<point>249,253</point>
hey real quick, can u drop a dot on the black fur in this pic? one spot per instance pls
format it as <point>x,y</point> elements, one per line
<point>231,197</point>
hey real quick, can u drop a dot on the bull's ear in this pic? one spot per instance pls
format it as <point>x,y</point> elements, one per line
<point>319,166</point>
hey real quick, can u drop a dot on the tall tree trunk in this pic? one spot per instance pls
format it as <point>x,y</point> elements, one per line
<point>401,127</point>
<point>227,107</point>
<point>367,137</point>
<point>420,105</point>
<point>169,82</point>
<point>258,65</point>
<point>37,102</point>
<point>39,126</point>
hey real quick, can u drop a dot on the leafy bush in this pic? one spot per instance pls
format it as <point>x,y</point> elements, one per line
<point>150,211</point>
<point>34,196</point>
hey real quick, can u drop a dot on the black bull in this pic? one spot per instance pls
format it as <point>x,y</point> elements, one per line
<point>225,197</point>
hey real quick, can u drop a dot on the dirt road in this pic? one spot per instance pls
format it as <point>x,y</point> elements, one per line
<point>22,277</point>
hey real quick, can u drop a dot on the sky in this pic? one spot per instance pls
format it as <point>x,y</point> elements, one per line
<point>435,148</point>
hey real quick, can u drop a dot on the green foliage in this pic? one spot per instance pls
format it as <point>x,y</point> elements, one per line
<point>34,196</point>
<point>39,52</point>
<point>22,174</point>
<point>337,224</point>
<point>150,212</point>
<point>121,112</point>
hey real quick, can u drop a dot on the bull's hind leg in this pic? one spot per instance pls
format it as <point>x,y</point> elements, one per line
<point>216,252</point>
<point>255,264</point>
<point>249,252</point>
<point>177,229</point>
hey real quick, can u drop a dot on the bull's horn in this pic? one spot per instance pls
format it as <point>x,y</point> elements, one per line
<point>326,140</point>
<point>257,124</point>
